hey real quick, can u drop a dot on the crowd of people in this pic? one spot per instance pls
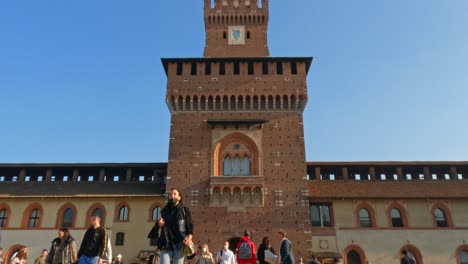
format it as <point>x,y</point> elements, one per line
<point>94,249</point>
<point>174,234</point>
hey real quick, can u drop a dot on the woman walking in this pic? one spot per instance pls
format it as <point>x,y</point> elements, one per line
<point>63,249</point>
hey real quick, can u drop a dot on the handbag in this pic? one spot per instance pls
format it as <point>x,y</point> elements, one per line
<point>189,250</point>
<point>270,257</point>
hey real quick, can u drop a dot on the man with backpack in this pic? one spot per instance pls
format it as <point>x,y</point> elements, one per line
<point>246,250</point>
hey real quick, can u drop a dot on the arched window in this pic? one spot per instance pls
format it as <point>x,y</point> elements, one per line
<point>364,218</point>
<point>34,218</point>
<point>119,238</point>
<point>440,218</point>
<point>97,212</point>
<point>245,166</point>
<point>413,252</point>
<point>236,166</point>
<point>156,213</point>
<point>397,220</point>
<point>67,218</point>
<point>123,213</point>
<point>3,217</point>
<point>227,166</point>
<point>353,257</point>
<point>463,257</point>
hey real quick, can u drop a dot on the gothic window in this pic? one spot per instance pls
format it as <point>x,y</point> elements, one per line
<point>97,212</point>
<point>463,257</point>
<point>227,166</point>
<point>364,218</point>
<point>440,218</point>
<point>123,213</point>
<point>236,166</point>
<point>67,218</point>
<point>3,217</point>
<point>397,220</point>
<point>156,213</point>
<point>34,218</point>
<point>353,257</point>
<point>245,166</point>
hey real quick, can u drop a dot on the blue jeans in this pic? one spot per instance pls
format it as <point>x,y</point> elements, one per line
<point>89,260</point>
<point>177,255</point>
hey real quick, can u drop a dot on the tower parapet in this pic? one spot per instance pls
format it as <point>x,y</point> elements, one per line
<point>236,28</point>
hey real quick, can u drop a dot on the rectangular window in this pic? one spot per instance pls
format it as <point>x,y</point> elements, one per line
<point>293,68</point>
<point>90,178</point>
<point>357,177</point>
<point>460,176</point>
<point>179,68</point>
<point>236,68</point>
<point>321,214</point>
<point>395,177</point>
<point>250,68</point>
<point>65,178</point>
<point>52,178</point>
<point>116,178</point>
<point>39,178</point>
<point>383,177</point>
<point>208,68</point>
<point>15,178</point>
<point>265,68</point>
<point>279,67</point>
<point>193,69</point>
<point>408,176</point>
<point>119,239</point>
<point>421,176</point>
<point>2,178</point>
<point>222,68</point>
<point>141,178</point>
<point>447,176</point>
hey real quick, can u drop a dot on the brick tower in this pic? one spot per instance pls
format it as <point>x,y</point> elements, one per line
<point>237,141</point>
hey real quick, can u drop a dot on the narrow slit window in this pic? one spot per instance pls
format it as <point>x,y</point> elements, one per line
<point>208,68</point>
<point>179,68</point>
<point>279,68</point>
<point>222,68</point>
<point>236,68</point>
<point>293,68</point>
<point>193,68</point>
<point>265,68</point>
<point>250,68</point>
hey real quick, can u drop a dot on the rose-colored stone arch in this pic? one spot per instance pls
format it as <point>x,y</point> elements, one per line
<point>370,210</point>
<point>415,250</point>
<point>403,212</point>
<point>219,153</point>
<point>447,213</point>
<point>459,250</point>
<point>356,248</point>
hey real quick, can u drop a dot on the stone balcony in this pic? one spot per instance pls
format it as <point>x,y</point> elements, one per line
<point>237,192</point>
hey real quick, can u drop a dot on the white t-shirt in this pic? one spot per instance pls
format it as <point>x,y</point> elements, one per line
<point>225,257</point>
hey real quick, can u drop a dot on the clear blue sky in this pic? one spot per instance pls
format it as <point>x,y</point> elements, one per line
<point>81,81</point>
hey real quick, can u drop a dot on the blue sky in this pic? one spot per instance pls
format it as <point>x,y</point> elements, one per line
<point>81,81</point>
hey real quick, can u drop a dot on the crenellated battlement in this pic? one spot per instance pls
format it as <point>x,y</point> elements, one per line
<point>241,4</point>
<point>236,28</point>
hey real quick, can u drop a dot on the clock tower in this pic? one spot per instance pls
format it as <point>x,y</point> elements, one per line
<point>236,28</point>
<point>236,147</point>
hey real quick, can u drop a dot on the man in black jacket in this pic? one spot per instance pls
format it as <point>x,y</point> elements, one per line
<point>94,243</point>
<point>176,229</point>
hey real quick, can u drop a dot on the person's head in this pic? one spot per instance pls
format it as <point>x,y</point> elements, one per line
<point>95,221</point>
<point>314,256</point>
<point>44,252</point>
<point>174,196</point>
<point>119,257</point>
<point>226,245</point>
<point>282,234</point>
<point>204,249</point>
<point>247,233</point>
<point>266,241</point>
<point>404,252</point>
<point>64,233</point>
<point>22,253</point>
